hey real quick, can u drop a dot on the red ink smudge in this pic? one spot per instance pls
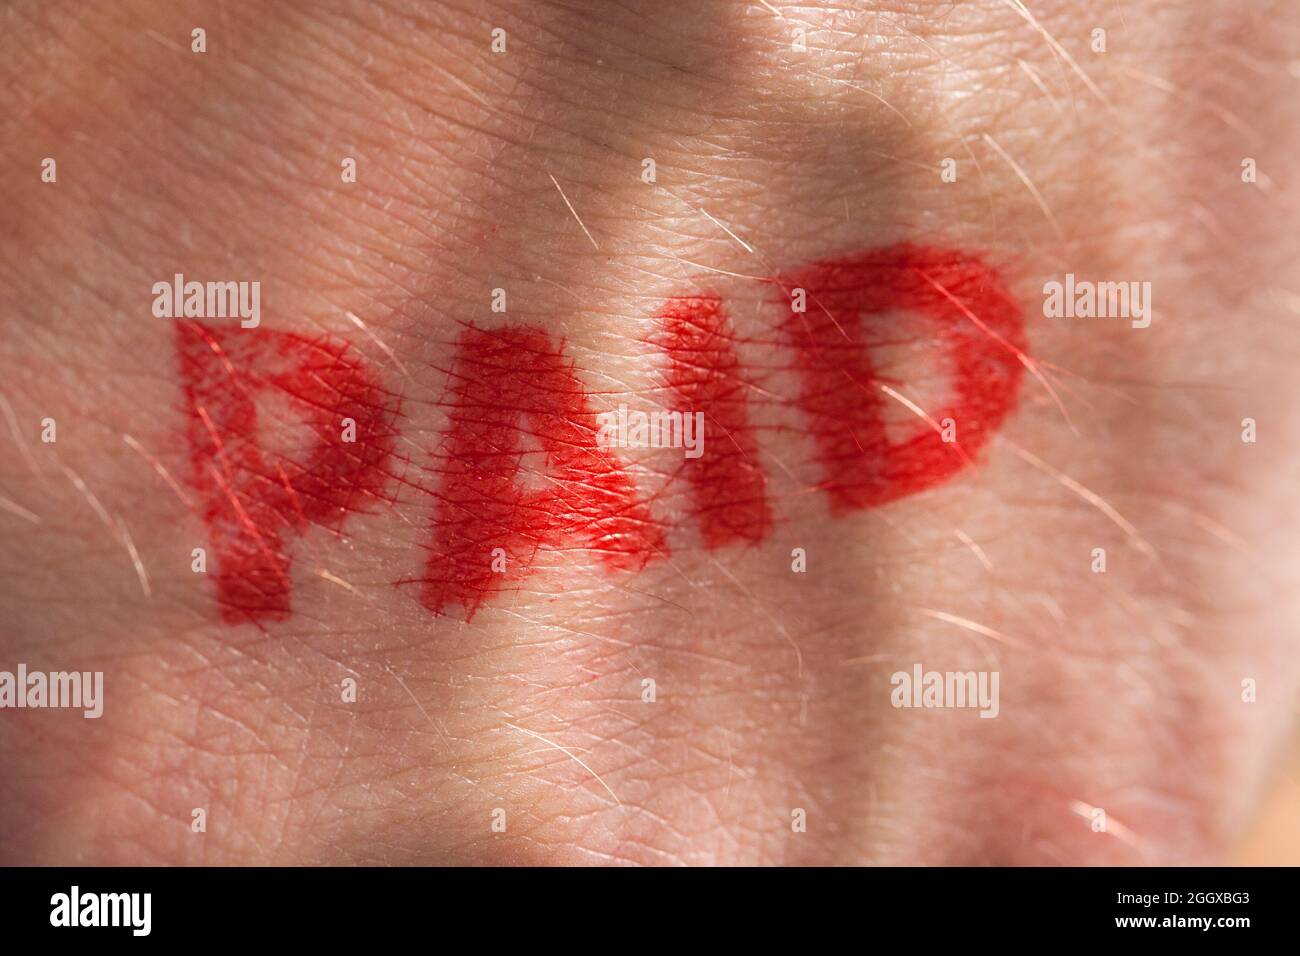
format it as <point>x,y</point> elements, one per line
<point>253,496</point>
<point>978,329</point>
<point>727,483</point>
<point>505,385</point>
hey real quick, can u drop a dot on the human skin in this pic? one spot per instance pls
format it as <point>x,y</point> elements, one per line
<point>1120,691</point>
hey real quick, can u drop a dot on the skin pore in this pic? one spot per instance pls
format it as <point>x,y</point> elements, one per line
<point>791,146</point>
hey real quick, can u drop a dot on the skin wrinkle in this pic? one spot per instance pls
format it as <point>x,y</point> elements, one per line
<point>560,659</point>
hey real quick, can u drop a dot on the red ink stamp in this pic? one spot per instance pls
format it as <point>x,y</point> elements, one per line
<point>289,431</point>
<point>338,430</point>
<point>834,322</point>
<point>728,485</point>
<point>506,385</point>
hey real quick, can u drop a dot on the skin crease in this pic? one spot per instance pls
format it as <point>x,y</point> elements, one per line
<point>1119,691</point>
